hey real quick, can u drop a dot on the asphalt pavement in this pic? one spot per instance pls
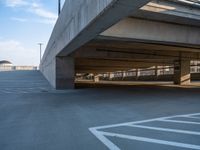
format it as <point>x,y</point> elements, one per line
<point>34,116</point>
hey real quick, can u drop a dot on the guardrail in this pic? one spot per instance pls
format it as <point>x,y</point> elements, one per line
<point>14,68</point>
<point>158,71</point>
<point>192,3</point>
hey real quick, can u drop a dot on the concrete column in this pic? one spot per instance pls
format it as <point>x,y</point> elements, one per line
<point>65,73</point>
<point>156,72</point>
<point>111,76</point>
<point>137,74</point>
<point>96,78</point>
<point>123,75</point>
<point>182,72</point>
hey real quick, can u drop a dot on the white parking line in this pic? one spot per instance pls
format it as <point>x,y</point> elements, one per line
<point>150,140</point>
<point>193,117</point>
<point>166,129</point>
<point>104,140</point>
<point>134,122</point>
<point>101,135</point>
<point>179,121</point>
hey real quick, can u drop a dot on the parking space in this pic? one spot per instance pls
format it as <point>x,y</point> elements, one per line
<point>153,131</point>
<point>58,120</point>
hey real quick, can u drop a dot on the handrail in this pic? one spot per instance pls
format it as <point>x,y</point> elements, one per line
<point>193,3</point>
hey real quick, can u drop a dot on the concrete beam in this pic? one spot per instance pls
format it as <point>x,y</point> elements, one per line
<point>108,49</point>
<point>103,69</point>
<point>140,29</point>
<point>102,42</point>
<point>121,62</point>
<point>169,11</point>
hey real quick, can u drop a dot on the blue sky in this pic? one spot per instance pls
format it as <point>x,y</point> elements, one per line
<point>23,24</point>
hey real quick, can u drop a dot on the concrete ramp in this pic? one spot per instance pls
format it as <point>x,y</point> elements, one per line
<point>81,21</point>
<point>22,82</point>
<point>98,36</point>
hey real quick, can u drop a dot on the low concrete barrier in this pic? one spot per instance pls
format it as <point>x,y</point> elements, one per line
<point>14,68</point>
<point>194,77</point>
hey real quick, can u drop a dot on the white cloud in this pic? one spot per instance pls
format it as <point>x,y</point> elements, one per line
<point>10,45</point>
<point>15,52</point>
<point>43,21</point>
<point>46,21</point>
<point>16,3</point>
<point>19,19</point>
<point>37,9</point>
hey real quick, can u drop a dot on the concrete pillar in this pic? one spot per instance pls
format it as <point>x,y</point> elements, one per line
<point>96,78</point>
<point>111,76</point>
<point>157,72</point>
<point>123,75</point>
<point>137,71</point>
<point>182,72</point>
<point>65,73</point>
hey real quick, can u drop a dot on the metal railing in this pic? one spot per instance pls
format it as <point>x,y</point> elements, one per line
<point>159,70</point>
<point>192,3</point>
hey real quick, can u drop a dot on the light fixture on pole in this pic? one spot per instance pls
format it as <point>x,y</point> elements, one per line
<point>40,44</point>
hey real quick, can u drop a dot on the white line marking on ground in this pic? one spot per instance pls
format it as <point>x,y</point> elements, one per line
<point>101,135</point>
<point>134,122</point>
<point>179,121</point>
<point>142,121</point>
<point>104,140</point>
<point>166,129</point>
<point>193,117</point>
<point>150,140</point>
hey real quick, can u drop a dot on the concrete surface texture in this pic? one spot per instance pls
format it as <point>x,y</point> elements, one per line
<point>34,119</point>
<point>92,18</point>
<point>118,35</point>
<point>22,82</point>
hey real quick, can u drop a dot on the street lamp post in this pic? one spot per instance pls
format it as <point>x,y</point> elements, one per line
<point>59,7</point>
<point>40,44</point>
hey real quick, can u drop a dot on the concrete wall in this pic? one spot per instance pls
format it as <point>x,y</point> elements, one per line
<point>75,16</point>
<point>79,22</point>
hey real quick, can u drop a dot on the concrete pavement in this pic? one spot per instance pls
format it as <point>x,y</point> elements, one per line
<point>60,120</point>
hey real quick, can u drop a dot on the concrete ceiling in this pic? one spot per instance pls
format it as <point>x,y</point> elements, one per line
<point>111,54</point>
<point>169,11</point>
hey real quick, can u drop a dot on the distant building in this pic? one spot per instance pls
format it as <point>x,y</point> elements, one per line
<point>5,63</point>
<point>8,66</point>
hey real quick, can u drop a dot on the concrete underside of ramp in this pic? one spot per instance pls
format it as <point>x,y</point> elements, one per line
<point>106,54</point>
<point>110,41</point>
